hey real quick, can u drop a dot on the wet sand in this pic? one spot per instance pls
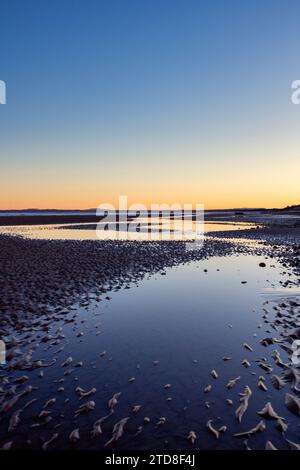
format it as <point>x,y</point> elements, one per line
<point>52,395</point>
<point>15,220</point>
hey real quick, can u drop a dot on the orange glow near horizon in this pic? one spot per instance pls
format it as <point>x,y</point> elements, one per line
<point>218,183</point>
<point>40,196</point>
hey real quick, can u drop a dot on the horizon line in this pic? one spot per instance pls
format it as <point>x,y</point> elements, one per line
<point>94,209</point>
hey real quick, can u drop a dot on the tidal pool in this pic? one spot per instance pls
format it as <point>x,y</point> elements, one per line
<point>87,231</point>
<point>168,329</point>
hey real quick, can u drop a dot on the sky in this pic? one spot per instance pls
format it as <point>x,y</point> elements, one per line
<point>165,101</point>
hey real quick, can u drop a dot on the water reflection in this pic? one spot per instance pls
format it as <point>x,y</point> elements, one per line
<point>158,229</point>
<point>187,320</point>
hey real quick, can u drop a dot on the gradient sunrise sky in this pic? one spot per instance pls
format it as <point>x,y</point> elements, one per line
<point>161,100</point>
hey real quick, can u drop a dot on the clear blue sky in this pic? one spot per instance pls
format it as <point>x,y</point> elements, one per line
<point>162,100</point>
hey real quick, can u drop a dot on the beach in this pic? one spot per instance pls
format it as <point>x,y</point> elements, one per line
<point>147,345</point>
<point>149,232</point>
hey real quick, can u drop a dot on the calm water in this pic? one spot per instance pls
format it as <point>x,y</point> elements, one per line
<point>88,232</point>
<point>187,320</point>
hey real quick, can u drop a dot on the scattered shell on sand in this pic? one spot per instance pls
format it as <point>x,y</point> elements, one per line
<point>265,366</point>
<point>22,362</point>
<point>161,421</point>
<point>49,402</point>
<point>9,404</point>
<point>67,361</point>
<point>246,445</point>
<point>21,380</point>
<point>139,431</point>
<point>278,360</point>
<point>268,341</point>
<point>86,407</point>
<point>44,413</point>
<point>292,403</point>
<point>260,427</point>
<point>222,429</point>
<point>114,401</point>
<point>43,423</point>
<point>74,436</point>
<point>246,363</point>
<point>277,382</point>
<point>85,393</point>
<point>281,426</point>
<point>96,431</point>
<point>47,443</point>
<point>268,412</point>
<point>270,446</point>
<point>14,421</point>
<point>233,382</point>
<point>292,375</point>
<point>7,445</point>
<point>118,431</point>
<point>192,437</point>
<point>30,402</point>
<point>136,408</point>
<point>261,384</point>
<point>240,411</point>
<point>211,429</point>
<point>293,445</point>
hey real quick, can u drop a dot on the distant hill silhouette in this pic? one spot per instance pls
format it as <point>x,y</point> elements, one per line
<point>295,207</point>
